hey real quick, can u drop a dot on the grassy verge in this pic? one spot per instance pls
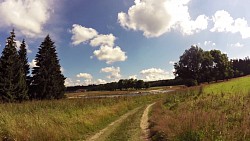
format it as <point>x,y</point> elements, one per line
<point>213,112</point>
<point>74,119</point>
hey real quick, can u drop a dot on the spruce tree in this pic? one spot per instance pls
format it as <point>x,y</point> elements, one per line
<point>47,81</point>
<point>12,77</point>
<point>24,61</point>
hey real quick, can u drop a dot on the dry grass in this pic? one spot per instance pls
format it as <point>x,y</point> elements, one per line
<point>207,113</point>
<point>63,119</point>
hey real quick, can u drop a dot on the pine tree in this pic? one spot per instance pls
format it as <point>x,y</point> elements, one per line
<point>12,77</point>
<point>24,61</point>
<point>47,81</point>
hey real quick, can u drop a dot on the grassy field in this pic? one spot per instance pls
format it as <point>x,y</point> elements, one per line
<point>219,111</point>
<point>75,119</point>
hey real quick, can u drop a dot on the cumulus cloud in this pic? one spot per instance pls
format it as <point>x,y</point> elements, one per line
<point>237,45</point>
<point>100,81</point>
<point>153,74</point>
<point>114,72</point>
<point>107,51</point>
<point>154,18</point>
<point>103,40</point>
<point>132,77</point>
<point>82,34</point>
<point>223,22</point>
<point>33,63</point>
<point>110,54</point>
<point>84,75</point>
<point>27,16</point>
<point>68,82</point>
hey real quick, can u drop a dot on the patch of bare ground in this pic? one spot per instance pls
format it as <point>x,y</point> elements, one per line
<point>145,123</point>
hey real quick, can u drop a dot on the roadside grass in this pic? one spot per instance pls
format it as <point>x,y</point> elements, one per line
<point>65,119</point>
<point>213,112</point>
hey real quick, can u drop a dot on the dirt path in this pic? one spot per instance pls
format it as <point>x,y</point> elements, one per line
<point>145,123</point>
<point>104,133</point>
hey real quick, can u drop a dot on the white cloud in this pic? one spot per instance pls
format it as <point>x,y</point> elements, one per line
<point>84,75</point>
<point>237,45</point>
<point>209,43</point>
<point>100,81</point>
<point>110,54</point>
<point>82,34</point>
<point>154,18</point>
<point>18,43</point>
<point>172,62</point>
<point>114,72</point>
<point>69,82</point>
<point>33,63</point>
<point>107,52</point>
<point>223,22</point>
<point>133,77</point>
<point>62,69</point>
<point>27,16</point>
<point>103,40</point>
<point>153,74</point>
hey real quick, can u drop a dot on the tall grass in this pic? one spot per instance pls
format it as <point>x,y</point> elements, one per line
<point>65,119</point>
<point>214,112</point>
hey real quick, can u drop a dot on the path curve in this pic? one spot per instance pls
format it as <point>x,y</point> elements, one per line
<point>145,123</point>
<point>101,135</point>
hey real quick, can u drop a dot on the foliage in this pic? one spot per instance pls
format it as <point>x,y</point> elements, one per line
<point>47,80</point>
<point>13,85</point>
<point>196,65</point>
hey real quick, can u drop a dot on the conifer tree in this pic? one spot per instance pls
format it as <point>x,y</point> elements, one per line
<point>47,81</point>
<point>24,61</point>
<point>12,77</point>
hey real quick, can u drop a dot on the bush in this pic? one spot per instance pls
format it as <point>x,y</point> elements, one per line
<point>191,82</point>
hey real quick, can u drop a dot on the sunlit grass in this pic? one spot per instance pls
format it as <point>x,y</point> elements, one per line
<point>74,119</point>
<point>214,112</point>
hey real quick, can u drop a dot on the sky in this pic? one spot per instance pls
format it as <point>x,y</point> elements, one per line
<point>101,41</point>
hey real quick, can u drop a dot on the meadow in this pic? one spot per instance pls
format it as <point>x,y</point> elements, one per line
<point>219,111</point>
<point>67,119</point>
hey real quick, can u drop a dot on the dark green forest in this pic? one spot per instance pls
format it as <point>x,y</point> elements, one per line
<point>17,84</point>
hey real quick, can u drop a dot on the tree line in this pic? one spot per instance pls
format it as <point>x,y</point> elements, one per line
<point>122,84</point>
<point>18,83</point>
<point>196,66</point>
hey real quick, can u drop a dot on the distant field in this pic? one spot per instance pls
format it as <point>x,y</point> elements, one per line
<point>219,111</point>
<point>68,119</point>
<point>118,92</point>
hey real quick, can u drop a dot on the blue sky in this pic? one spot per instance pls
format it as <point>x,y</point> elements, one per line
<point>103,41</point>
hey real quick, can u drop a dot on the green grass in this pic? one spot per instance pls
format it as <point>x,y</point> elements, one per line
<point>129,130</point>
<point>66,119</point>
<point>218,111</point>
<point>235,86</point>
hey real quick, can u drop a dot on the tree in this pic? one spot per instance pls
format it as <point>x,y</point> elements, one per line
<point>140,84</point>
<point>12,76</point>
<point>222,67</point>
<point>47,81</point>
<point>206,67</point>
<point>24,61</point>
<point>190,64</point>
